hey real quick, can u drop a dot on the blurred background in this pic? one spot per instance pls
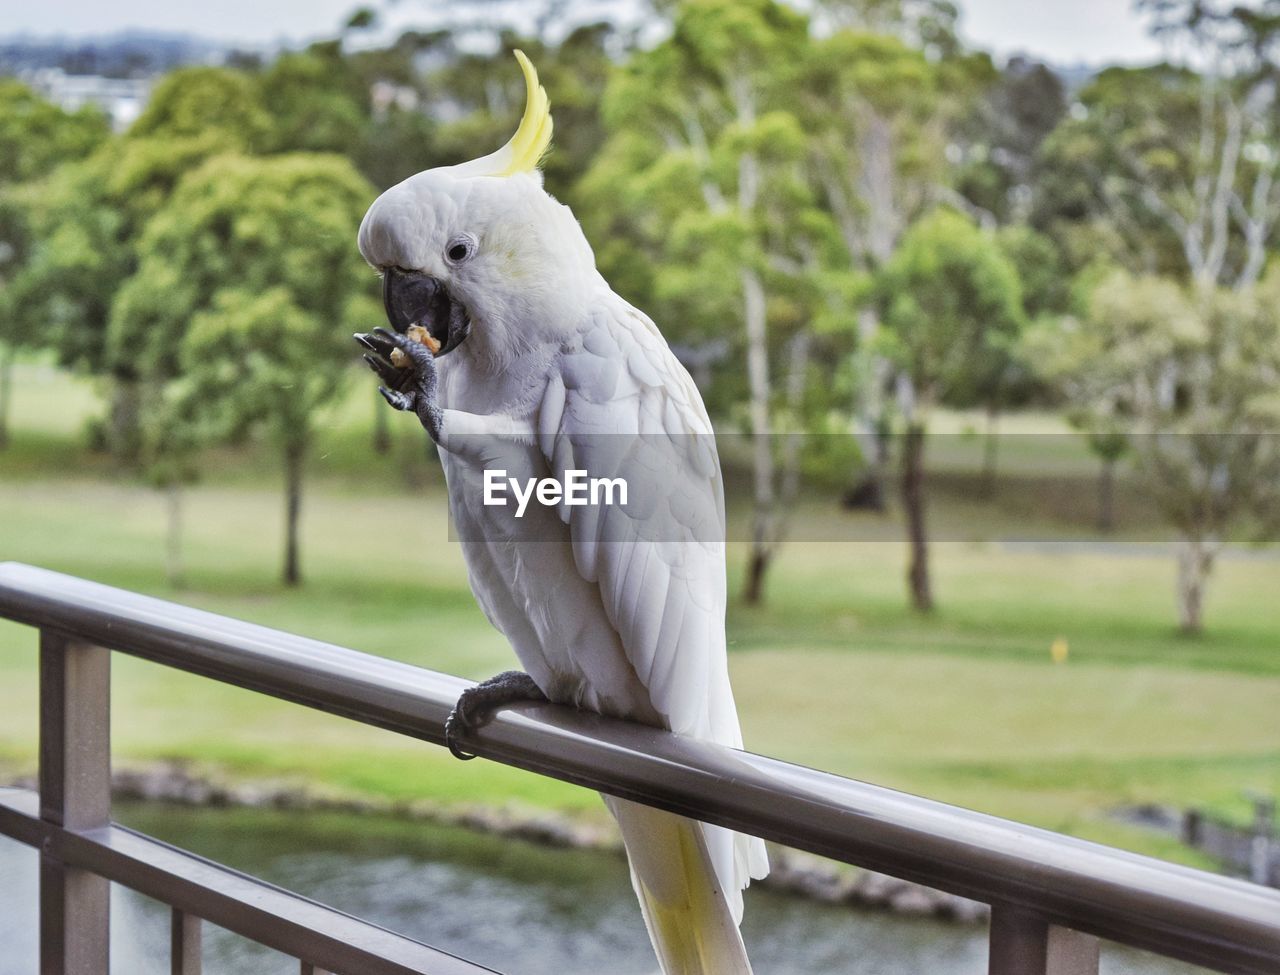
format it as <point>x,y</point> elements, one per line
<point>998,283</point>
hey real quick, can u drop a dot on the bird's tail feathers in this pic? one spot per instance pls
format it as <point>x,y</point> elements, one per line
<point>690,919</point>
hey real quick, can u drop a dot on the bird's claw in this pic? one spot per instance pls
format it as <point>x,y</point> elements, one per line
<point>416,352</point>
<point>375,343</point>
<point>455,725</point>
<point>477,703</point>
<point>410,387</point>
<point>378,358</point>
<point>398,400</point>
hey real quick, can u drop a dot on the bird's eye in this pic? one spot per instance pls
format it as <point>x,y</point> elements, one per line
<point>460,249</point>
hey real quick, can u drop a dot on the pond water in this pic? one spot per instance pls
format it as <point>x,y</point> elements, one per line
<point>508,904</point>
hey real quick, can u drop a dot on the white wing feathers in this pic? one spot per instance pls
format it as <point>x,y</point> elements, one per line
<point>623,406</point>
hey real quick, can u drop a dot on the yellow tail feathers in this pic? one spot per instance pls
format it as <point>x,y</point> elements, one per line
<point>690,921</point>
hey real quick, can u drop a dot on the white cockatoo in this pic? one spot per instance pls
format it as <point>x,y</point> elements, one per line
<point>615,608</point>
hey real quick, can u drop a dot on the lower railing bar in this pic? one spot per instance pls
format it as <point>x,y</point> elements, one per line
<point>184,943</point>
<point>1023,944</point>
<point>256,910</point>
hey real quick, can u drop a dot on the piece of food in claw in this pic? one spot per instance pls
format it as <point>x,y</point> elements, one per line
<point>415,333</point>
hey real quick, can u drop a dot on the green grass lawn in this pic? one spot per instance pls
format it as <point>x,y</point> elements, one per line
<point>834,672</point>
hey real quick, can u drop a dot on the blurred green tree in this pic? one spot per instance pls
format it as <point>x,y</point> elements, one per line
<point>874,109</point>
<point>318,102</point>
<point>361,19</point>
<point>1007,376</point>
<point>1173,169</point>
<point>170,439</point>
<point>88,219</point>
<point>1189,380</point>
<point>36,136</point>
<point>191,102</point>
<point>400,135</point>
<point>993,152</point>
<point>998,140</point>
<point>952,304</point>
<point>927,25</point>
<point>703,214</point>
<point>251,263</point>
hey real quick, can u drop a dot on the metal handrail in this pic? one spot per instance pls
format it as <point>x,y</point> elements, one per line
<point>1191,915</point>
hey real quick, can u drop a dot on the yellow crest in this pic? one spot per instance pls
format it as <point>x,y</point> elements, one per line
<point>533,138</point>
<point>525,149</point>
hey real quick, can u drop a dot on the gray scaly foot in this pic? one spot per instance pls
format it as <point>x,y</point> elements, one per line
<point>412,388</point>
<point>477,703</point>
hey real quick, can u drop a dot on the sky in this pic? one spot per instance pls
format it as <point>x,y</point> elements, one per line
<point>1061,31</point>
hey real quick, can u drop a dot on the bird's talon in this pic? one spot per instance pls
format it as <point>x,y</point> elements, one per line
<point>457,723</point>
<point>397,400</point>
<point>476,704</point>
<point>372,343</point>
<point>396,378</point>
<point>408,372</point>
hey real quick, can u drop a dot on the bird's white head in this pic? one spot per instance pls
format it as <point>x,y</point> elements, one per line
<point>479,252</point>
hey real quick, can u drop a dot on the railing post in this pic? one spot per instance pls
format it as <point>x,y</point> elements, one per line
<point>184,943</point>
<point>75,793</point>
<point>1022,943</point>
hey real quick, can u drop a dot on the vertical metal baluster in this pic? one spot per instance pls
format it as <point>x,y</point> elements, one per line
<point>1017,942</point>
<point>75,793</point>
<point>1022,943</point>
<point>1071,952</point>
<point>306,968</point>
<point>184,944</point>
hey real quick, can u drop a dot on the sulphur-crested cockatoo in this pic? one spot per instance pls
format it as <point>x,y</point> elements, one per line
<point>616,608</point>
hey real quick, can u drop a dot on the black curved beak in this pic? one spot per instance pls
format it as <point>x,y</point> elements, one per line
<point>411,298</point>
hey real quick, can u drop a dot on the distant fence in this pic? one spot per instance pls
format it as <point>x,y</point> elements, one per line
<point>1052,896</point>
<point>1253,851</point>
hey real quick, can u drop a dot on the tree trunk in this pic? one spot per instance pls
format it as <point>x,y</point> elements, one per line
<point>1195,562</point>
<point>758,382</point>
<point>1106,496</point>
<point>6,389</point>
<point>913,504</point>
<point>294,454</point>
<point>769,526</point>
<point>761,430</point>
<point>868,492</point>
<point>173,542</point>
<point>381,428</point>
<point>793,446</point>
<point>124,421</point>
<point>991,452</point>
<point>753,591</point>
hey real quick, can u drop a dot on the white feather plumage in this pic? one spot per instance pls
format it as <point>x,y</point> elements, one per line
<point>619,610</point>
